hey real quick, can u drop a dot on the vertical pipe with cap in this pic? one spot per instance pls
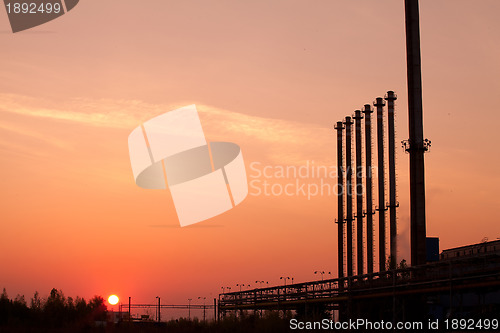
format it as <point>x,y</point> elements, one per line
<point>369,190</point>
<point>340,197</point>
<point>359,192</point>
<point>348,161</point>
<point>416,131</point>
<point>379,104</point>
<point>390,97</point>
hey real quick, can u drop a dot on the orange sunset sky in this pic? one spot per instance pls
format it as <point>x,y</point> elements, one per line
<point>271,76</point>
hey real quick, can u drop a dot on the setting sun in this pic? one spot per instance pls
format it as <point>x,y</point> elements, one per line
<point>113,299</point>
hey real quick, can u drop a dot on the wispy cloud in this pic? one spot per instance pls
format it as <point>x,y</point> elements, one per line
<point>102,113</point>
<point>281,141</point>
<point>275,140</point>
<point>30,133</point>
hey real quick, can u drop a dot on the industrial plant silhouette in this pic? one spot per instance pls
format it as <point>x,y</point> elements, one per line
<point>461,283</point>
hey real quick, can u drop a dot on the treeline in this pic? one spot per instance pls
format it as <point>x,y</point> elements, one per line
<point>55,311</point>
<point>60,314</point>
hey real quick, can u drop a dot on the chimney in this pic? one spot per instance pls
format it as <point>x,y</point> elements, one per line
<point>379,103</point>
<point>390,97</point>
<point>349,219</point>
<point>369,188</point>
<point>359,193</point>
<point>340,196</point>
<point>417,146</point>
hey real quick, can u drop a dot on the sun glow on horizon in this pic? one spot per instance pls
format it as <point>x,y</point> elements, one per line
<point>113,299</point>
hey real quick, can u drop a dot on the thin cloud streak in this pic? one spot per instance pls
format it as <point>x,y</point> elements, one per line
<point>277,140</point>
<point>23,131</point>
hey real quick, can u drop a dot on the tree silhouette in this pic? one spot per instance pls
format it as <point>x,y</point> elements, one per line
<point>55,312</point>
<point>4,307</point>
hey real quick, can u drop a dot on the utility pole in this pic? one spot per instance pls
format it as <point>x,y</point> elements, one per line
<point>129,306</point>
<point>159,307</point>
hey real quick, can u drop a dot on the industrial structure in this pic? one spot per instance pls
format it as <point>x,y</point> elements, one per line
<point>363,191</point>
<point>416,145</point>
<point>367,111</point>
<point>126,310</point>
<point>379,104</point>
<point>466,286</point>
<point>390,97</point>
<point>348,190</point>
<point>485,247</point>
<point>340,201</point>
<point>461,282</point>
<point>359,193</point>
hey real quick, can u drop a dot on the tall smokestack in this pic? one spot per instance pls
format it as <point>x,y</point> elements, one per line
<point>369,199</point>
<point>348,162</point>
<point>417,146</point>
<point>340,196</point>
<point>379,103</point>
<point>390,97</point>
<point>359,193</point>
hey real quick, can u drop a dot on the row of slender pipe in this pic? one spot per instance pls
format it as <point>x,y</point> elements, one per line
<point>345,194</point>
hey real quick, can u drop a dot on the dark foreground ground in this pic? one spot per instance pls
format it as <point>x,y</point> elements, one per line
<point>229,326</point>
